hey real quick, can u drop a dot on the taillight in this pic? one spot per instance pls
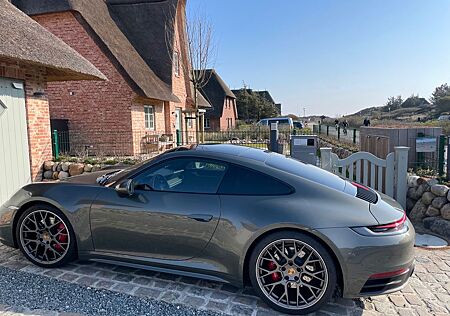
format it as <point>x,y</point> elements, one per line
<point>391,227</point>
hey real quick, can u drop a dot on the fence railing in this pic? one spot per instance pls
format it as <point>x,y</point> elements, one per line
<point>146,143</point>
<point>348,135</point>
<point>385,175</point>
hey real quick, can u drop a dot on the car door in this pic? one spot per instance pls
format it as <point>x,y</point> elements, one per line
<point>172,214</point>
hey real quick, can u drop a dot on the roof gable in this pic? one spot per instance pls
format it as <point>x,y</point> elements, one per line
<point>216,91</point>
<point>98,17</point>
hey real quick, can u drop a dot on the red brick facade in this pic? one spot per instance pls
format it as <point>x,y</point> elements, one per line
<point>38,118</point>
<point>228,118</point>
<point>108,113</point>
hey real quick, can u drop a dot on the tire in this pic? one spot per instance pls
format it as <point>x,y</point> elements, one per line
<point>292,272</point>
<point>48,245</point>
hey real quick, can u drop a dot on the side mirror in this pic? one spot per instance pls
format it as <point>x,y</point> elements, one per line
<point>126,188</point>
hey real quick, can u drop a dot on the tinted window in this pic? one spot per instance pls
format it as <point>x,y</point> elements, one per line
<point>185,175</point>
<point>243,181</point>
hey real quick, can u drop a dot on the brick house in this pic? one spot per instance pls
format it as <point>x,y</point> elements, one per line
<point>223,114</point>
<point>30,57</point>
<point>146,94</point>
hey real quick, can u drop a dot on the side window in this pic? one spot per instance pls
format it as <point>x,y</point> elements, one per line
<point>183,175</point>
<point>243,181</point>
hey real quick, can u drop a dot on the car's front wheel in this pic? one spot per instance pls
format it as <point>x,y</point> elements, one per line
<point>292,272</point>
<point>45,236</point>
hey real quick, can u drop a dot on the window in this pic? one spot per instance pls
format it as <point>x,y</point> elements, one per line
<point>244,181</point>
<point>207,123</point>
<point>176,63</point>
<point>183,175</point>
<point>149,112</point>
<point>190,123</point>
<point>230,123</point>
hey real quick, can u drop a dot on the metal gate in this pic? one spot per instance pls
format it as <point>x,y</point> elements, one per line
<point>14,150</point>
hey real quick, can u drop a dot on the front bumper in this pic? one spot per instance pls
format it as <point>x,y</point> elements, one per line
<point>6,225</point>
<point>361,257</point>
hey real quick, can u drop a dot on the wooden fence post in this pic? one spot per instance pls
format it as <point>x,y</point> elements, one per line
<point>401,174</point>
<point>325,159</point>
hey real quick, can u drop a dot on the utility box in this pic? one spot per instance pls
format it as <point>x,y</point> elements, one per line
<point>304,148</point>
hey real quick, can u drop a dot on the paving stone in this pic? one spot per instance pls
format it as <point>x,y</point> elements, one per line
<point>143,281</point>
<point>239,310</point>
<point>86,281</point>
<point>123,277</point>
<point>398,300</point>
<point>123,288</point>
<point>413,299</point>
<point>86,270</point>
<point>199,291</point>
<point>170,296</point>
<point>194,301</point>
<point>161,284</point>
<point>104,274</point>
<point>147,292</point>
<point>53,273</point>
<point>216,306</point>
<point>103,284</point>
<point>245,300</point>
<point>69,277</point>
<point>220,296</point>
<point>331,308</point>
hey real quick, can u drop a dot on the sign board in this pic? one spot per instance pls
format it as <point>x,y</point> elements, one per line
<point>274,126</point>
<point>426,144</point>
<point>300,142</point>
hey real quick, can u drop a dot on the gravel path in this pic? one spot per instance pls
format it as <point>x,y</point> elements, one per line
<point>50,296</point>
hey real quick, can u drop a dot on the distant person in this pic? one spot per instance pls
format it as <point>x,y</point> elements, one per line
<point>366,122</point>
<point>336,123</point>
<point>345,126</point>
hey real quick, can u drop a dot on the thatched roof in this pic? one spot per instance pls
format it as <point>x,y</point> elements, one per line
<point>215,92</point>
<point>24,40</point>
<point>100,20</point>
<point>149,25</point>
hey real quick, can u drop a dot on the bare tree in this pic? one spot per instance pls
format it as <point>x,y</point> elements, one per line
<point>197,52</point>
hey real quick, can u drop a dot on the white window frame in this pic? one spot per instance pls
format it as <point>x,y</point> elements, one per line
<point>207,122</point>
<point>149,117</point>
<point>190,123</point>
<point>176,63</point>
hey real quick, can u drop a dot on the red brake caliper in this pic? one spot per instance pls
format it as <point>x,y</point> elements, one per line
<point>62,237</point>
<point>275,277</point>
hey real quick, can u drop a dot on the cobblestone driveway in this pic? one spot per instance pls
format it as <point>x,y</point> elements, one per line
<point>428,292</point>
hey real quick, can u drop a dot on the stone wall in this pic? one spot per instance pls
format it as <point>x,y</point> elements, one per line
<point>429,203</point>
<point>63,170</point>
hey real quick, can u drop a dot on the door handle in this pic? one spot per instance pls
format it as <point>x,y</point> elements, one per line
<point>205,218</point>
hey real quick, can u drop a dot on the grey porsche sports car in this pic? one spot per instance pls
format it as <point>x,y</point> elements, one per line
<point>240,215</point>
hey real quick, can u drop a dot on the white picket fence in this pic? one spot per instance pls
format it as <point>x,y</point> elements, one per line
<point>385,175</point>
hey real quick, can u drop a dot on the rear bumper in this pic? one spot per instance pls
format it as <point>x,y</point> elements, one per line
<point>362,257</point>
<point>378,286</point>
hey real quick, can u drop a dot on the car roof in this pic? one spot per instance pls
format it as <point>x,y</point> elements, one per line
<point>234,150</point>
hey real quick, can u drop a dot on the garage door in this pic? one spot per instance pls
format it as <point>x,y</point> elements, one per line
<point>14,154</point>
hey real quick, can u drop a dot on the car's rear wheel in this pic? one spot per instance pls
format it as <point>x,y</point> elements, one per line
<point>45,236</point>
<point>292,272</point>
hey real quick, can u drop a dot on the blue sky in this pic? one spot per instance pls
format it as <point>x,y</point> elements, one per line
<point>331,56</point>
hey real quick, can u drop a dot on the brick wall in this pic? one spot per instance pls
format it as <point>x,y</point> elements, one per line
<point>38,118</point>
<point>228,113</point>
<point>100,112</point>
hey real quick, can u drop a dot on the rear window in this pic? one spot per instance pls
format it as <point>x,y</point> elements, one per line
<point>243,181</point>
